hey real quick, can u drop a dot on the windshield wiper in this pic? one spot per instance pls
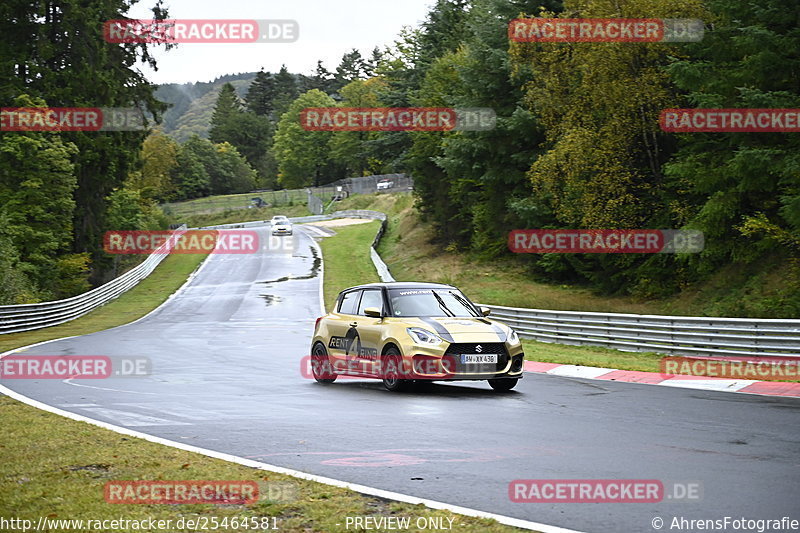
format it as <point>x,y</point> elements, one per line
<point>463,301</point>
<point>447,311</point>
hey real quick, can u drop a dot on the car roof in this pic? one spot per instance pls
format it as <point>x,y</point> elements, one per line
<point>401,285</point>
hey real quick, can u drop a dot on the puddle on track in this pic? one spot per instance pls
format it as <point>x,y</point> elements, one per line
<point>313,274</point>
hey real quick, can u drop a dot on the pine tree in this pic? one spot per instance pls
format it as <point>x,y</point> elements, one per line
<point>372,64</point>
<point>226,110</point>
<point>285,91</point>
<point>351,67</point>
<point>261,94</point>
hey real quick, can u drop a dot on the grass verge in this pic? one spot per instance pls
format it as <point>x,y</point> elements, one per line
<point>241,201</point>
<point>346,259</point>
<point>57,468</point>
<point>591,356</point>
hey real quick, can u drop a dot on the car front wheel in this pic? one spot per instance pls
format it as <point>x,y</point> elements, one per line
<point>393,371</point>
<point>503,384</point>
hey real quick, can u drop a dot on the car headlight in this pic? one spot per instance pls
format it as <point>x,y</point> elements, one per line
<point>423,336</point>
<point>513,338</point>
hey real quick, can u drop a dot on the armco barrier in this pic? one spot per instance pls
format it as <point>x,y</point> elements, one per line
<point>25,317</point>
<point>678,335</point>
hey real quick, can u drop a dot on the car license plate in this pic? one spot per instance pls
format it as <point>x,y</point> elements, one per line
<point>477,358</point>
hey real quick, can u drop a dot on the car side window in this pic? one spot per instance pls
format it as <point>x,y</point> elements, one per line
<point>349,303</point>
<point>371,298</point>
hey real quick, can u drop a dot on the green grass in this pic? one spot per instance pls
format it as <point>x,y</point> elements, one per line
<point>57,468</point>
<point>591,356</point>
<point>411,256</point>
<point>215,204</point>
<point>346,259</point>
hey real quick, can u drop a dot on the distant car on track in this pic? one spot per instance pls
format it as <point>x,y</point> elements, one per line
<point>403,332</point>
<point>281,225</point>
<point>385,184</point>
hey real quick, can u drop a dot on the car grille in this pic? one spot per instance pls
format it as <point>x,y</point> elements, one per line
<point>456,349</point>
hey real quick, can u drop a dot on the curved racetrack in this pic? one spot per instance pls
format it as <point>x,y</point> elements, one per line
<point>226,376</point>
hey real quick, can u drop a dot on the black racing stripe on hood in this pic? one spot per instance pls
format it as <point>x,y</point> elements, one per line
<point>438,328</point>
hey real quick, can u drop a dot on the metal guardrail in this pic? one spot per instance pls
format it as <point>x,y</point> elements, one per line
<point>26,317</point>
<point>674,335</point>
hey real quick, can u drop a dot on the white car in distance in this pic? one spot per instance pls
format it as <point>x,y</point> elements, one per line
<point>281,225</point>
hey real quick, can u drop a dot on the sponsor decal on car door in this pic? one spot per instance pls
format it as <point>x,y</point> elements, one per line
<point>364,353</point>
<point>341,337</point>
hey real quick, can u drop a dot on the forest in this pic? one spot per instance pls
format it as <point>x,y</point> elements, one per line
<point>577,143</point>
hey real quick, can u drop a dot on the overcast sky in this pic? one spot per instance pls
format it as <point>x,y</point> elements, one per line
<point>328,29</point>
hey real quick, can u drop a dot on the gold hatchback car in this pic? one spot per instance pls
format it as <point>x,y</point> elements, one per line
<point>403,332</point>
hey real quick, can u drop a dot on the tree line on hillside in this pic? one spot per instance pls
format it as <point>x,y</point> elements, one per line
<point>246,128</point>
<point>577,142</point>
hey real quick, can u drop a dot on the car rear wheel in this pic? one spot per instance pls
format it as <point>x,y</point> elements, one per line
<point>321,366</point>
<point>503,384</point>
<point>393,371</point>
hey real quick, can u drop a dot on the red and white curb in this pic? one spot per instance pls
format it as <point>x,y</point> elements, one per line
<point>749,386</point>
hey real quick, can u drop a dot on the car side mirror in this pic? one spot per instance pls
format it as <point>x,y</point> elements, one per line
<point>485,311</point>
<point>373,312</point>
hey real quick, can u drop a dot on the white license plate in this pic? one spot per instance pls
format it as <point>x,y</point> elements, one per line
<point>477,358</point>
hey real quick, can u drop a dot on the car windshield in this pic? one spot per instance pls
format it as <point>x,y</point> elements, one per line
<point>429,302</point>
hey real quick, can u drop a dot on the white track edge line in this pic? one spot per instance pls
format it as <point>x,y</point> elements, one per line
<point>363,489</point>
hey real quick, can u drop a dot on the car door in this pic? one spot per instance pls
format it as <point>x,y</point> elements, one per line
<point>364,354</point>
<point>339,329</point>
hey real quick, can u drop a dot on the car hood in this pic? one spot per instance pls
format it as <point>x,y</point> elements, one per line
<point>465,329</point>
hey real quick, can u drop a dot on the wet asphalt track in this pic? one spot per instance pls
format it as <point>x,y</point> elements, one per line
<point>226,376</point>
